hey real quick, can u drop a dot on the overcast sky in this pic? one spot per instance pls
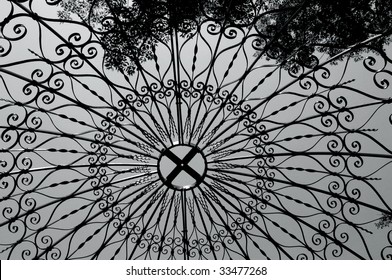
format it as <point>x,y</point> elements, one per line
<point>263,195</point>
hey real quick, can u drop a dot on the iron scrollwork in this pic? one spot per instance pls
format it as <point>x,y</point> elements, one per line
<point>209,150</point>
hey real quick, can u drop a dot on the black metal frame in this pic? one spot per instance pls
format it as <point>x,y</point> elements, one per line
<point>297,162</point>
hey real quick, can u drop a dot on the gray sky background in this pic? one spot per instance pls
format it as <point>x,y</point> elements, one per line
<point>302,183</point>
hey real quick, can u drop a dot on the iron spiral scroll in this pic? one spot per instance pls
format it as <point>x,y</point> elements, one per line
<point>207,151</point>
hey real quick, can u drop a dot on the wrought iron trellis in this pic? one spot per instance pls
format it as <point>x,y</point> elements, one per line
<point>208,151</point>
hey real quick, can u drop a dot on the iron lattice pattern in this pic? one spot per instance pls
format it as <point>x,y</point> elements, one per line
<point>207,151</point>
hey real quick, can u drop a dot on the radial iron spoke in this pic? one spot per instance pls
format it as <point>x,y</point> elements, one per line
<point>201,130</point>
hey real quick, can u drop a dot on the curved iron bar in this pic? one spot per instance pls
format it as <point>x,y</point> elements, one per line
<point>297,161</point>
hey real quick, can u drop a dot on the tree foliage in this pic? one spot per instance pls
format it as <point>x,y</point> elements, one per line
<point>291,30</point>
<point>384,221</point>
<point>298,28</point>
<point>130,31</point>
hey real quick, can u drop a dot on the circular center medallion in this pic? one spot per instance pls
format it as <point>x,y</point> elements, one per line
<point>182,167</point>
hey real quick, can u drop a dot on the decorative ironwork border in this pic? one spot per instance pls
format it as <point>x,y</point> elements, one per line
<point>293,163</point>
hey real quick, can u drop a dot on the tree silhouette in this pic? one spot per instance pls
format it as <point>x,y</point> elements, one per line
<point>384,221</point>
<point>291,31</point>
<point>130,31</point>
<point>304,27</point>
<point>206,152</point>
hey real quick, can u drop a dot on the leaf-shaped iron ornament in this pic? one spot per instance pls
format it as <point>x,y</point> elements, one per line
<point>212,130</point>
